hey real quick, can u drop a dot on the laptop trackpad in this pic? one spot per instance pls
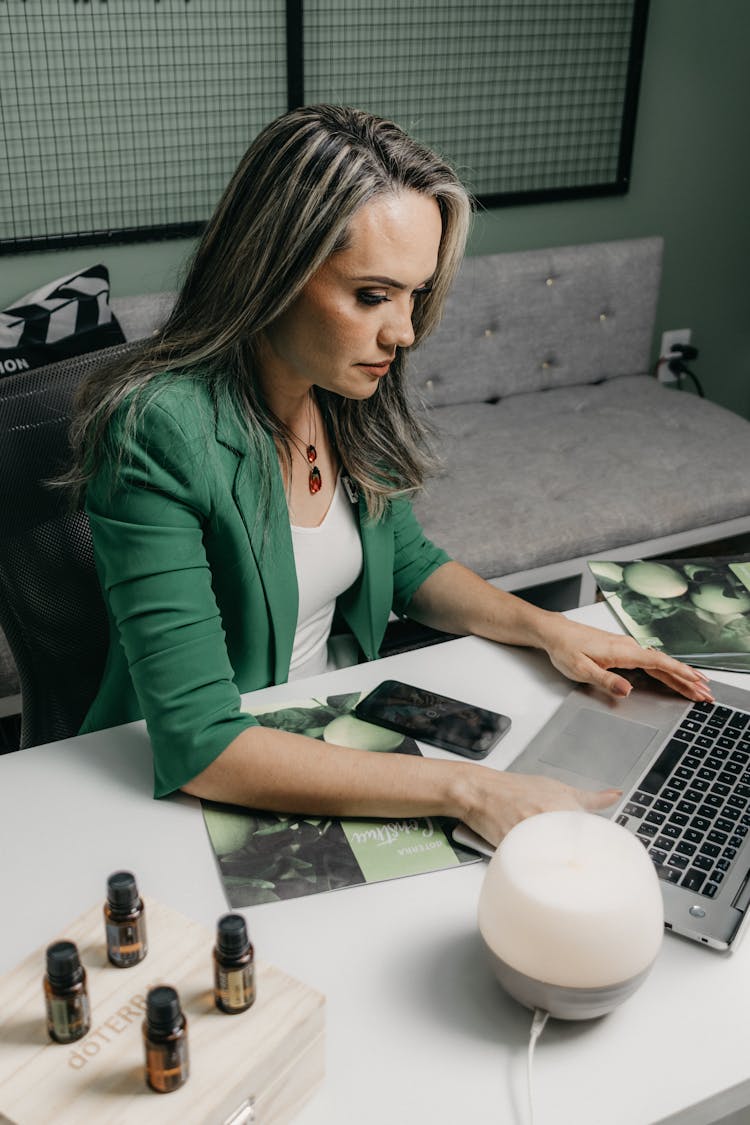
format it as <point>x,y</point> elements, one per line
<point>599,746</point>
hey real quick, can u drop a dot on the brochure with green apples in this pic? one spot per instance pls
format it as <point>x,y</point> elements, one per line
<point>266,857</point>
<point>695,609</point>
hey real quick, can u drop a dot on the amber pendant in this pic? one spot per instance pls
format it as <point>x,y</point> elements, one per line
<point>315,481</point>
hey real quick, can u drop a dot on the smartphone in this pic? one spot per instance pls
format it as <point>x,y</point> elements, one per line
<point>432,718</point>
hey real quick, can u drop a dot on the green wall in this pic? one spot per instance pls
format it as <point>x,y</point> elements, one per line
<point>690,172</point>
<point>689,183</point>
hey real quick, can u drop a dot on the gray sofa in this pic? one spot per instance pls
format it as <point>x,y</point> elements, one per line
<point>558,445</point>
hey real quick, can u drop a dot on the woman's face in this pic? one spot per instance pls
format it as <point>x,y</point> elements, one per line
<point>342,332</point>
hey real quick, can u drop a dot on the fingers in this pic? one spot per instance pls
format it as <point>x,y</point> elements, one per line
<point>624,652</point>
<point>592,801</point>
<point>696,689</point>
<point>610,681</point>
<point>592,673</point>
<point>655,661</point>
<point>510,798</point>
<point>691,682</point>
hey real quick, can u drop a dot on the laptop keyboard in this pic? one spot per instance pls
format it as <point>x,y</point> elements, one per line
<point>692,809</point>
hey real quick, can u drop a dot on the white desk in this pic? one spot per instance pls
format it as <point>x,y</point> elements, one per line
<point>417,1029</point>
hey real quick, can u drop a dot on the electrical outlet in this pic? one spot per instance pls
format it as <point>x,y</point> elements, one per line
<point>668,340</point>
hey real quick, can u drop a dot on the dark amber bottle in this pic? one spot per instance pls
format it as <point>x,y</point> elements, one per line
<point>65,994</point>
<point>234,966</point>
<point>125,921</point>
<point>165,1041</point>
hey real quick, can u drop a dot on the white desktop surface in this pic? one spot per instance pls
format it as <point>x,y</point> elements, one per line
<point>417,1029</point>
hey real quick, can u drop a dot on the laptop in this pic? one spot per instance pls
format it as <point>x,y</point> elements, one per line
<point>684,769</point>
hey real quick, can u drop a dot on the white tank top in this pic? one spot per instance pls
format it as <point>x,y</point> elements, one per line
<point>328,559</point>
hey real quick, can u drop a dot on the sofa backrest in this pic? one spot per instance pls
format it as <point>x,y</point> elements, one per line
<point>143,315</point>
<point>537,319</point>
<point>518,322</point>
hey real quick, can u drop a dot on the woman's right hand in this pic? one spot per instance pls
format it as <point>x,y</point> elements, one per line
<point>493,801</point>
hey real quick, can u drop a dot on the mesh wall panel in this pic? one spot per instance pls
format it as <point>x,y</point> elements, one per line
<point>522,95</point>
<point>123,119</point>
<point>129,116</point>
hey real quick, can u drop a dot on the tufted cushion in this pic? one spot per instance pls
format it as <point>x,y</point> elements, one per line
<point>577,470</point>
<point>542,318</point>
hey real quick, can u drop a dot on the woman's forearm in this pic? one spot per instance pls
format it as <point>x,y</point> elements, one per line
<point>457,600</point>
<point>271,769</point>
<point>283,772</point>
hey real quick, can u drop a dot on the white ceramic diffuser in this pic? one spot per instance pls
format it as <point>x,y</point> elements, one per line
<point>571,914</point>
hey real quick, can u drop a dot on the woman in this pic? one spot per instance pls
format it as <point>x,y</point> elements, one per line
<point>246,479</point>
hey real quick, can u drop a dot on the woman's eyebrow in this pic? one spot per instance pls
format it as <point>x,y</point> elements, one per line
<point>389,281</point>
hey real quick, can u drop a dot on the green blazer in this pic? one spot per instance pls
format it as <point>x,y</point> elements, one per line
<point>201,592</point>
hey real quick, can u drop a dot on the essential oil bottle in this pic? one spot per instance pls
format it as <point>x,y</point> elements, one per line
<point>165,1040</point>
<point>65,994</point>
<point>125,921</point>
<point>234,966</point>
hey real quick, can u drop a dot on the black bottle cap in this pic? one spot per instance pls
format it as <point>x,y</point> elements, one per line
<point>163,1010</point>
<point>231,935</point>
<point>63,964</point>
<point>122,892</point>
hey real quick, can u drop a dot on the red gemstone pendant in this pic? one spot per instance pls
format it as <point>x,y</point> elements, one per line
<point>312,454</point>
<point>315,481</point>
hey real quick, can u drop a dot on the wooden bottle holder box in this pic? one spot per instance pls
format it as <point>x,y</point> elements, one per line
<point>272,1055</point>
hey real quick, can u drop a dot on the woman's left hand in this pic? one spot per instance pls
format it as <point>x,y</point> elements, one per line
<point>456,600</point>
<point>587,655</point>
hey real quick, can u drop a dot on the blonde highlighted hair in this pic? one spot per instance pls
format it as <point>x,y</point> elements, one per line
<point>287,208</point>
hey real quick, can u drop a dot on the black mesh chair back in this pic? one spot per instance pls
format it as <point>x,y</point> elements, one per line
<point>51,606</point>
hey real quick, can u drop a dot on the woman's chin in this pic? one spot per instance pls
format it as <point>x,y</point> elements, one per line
<point>361,388</point>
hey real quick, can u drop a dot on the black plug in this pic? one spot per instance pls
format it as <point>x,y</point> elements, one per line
<point>678,364</point>
<point>685,353</point>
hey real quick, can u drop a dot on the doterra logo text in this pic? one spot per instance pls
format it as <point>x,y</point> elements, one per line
<point>135,1009</point>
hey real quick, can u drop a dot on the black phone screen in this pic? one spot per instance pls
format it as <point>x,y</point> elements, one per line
<point>436,719</point>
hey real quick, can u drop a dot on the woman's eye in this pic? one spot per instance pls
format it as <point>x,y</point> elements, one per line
<point>367,298</point>
<point>370,297</point>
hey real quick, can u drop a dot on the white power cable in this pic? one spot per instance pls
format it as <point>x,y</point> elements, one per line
<point>537,1027</point>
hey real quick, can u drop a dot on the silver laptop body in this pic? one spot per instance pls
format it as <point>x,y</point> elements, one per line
<point>594,742</point>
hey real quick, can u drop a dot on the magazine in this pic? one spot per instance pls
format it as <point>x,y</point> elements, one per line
<point>266,857</point>
<point>695,609</point>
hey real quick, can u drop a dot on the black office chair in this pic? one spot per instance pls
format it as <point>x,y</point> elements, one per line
<point>51,606</point>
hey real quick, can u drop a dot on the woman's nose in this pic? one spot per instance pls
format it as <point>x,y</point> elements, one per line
<point>398,331</point>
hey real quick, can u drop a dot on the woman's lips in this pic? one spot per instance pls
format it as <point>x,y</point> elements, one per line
<point>376,368</point>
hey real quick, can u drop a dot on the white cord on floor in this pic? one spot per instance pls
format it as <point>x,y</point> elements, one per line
<point>537,1027</point>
